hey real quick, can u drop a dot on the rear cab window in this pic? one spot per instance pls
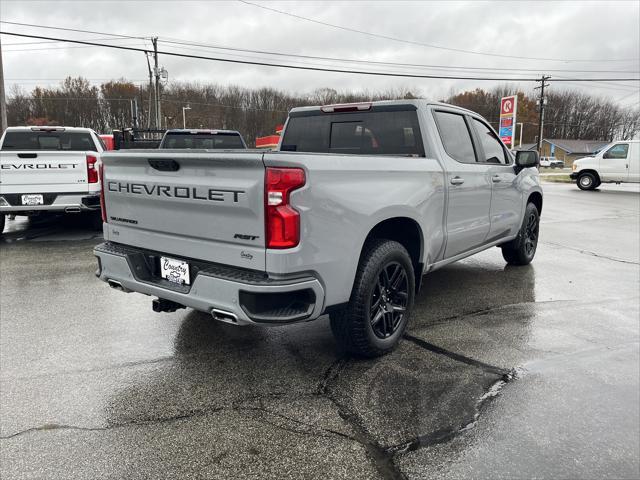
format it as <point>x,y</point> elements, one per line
<point>203,140</point>
<point>384,130</point>
<point>49,141</point>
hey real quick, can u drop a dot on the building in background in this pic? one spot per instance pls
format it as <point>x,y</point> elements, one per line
<point>569,150</point>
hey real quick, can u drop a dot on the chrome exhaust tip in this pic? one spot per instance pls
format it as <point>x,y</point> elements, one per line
<point>224,316</point>
<point>115,284</point>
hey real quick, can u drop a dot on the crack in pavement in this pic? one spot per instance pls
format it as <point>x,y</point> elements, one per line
<point>382,457</point>
<point>593,254</point>
<point>486,367</point>
<point>140,422</point>
<point>445,435</point>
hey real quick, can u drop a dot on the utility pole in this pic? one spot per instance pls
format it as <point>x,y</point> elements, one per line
<point>3,98</point>
<point>156,72</point>
<point>542,102</point>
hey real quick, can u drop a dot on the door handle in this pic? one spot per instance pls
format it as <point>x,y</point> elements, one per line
<point>496,178</point>
<point>457,181</point>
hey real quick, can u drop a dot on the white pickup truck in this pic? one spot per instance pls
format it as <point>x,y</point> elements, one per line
<point>49,169</point>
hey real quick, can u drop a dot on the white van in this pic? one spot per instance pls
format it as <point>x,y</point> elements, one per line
<point>618,162</point>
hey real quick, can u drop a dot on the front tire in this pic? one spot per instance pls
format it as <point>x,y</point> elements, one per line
<point>522,249</point>
<point>2,221</point>
<point>587,181</point>
<point>378,311</point>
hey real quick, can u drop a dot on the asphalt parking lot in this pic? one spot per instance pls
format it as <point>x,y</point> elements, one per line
<point>505,372</point>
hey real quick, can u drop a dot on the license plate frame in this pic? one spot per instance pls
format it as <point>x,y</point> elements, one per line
<point>32,199</point>
<point>175,270</point>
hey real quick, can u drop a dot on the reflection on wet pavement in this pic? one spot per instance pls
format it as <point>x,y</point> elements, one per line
<point>536,364</point>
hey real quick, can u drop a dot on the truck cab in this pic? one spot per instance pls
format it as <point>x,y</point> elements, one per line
<point>618,162</point>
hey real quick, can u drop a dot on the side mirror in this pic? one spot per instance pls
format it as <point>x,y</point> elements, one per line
<point>527,159</point>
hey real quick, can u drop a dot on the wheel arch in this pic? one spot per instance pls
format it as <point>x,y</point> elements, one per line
<point>536,199</point>
<point>408,233</point>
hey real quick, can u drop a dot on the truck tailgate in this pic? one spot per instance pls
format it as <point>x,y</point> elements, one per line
<point>43,172</point>
<point>202,205</point>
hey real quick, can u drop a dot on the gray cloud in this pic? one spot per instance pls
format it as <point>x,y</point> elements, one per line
<point>574,30</point>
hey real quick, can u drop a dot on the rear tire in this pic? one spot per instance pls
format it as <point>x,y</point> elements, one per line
<point>587,181</point>
<point>522,249</point>
<point>2,221</point>
<point>378,311</point>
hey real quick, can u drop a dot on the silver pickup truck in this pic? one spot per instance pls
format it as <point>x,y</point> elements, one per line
<point>345,218</point>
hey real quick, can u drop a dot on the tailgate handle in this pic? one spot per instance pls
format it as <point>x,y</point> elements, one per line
<point>165,165</point>
<point>27,155</point>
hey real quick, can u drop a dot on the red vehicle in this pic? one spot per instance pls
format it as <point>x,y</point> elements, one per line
<point>108,141</point>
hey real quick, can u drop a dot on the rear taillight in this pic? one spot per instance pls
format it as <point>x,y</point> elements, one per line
<point>282,221</point>
<point>103,210</point>
<point>92,173</point>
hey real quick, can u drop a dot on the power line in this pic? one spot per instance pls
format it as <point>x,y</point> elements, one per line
<point>441,67</point>
<point>47,42</point>
<point>49,48</point>
<point>411,42</point>
<point>70,30</point>
<point>169,40</point>
<point>316,69</point>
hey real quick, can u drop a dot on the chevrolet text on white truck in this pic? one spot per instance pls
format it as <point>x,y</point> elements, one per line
<point>359,202</point>
<point>49,169</point>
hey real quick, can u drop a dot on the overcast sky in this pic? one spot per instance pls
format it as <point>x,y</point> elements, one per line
<point>586,35</point>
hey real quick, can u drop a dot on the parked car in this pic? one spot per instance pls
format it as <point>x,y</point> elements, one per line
<point>618,162</point>
<point>49,169</point>
<point>207,139</point>
<point>360,201</point>
<point>551,162</point>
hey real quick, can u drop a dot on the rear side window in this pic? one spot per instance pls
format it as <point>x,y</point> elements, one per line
<point>493,151</point>
<point>455,136</point>
<point>200,140</point>
<point>362,133</point>
<point>35,140</point>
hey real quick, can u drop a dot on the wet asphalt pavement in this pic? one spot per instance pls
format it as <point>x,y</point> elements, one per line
<point>505,372</point>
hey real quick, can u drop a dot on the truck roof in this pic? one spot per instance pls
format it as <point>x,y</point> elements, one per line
<point>48,128</point>
<point>389,103</point>
<point>202,130</point>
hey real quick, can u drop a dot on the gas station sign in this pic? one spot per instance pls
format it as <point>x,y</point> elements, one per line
<point>508,109</point>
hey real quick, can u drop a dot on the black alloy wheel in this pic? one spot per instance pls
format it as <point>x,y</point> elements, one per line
<point>531,234</point>
<point>389,300</point>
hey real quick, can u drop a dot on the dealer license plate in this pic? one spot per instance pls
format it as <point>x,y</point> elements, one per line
<point>175,271</point>
<point>32,200</point>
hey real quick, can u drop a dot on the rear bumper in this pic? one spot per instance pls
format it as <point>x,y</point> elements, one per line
<point>61,202</point>
<point>250,297</point>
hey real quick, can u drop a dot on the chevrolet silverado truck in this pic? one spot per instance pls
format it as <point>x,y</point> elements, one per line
<point>344,219</point>
<point>49,169</point>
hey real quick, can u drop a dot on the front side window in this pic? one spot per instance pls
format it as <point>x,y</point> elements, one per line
<point>455,136</point>
<point>618,151</point>
<point>493,151</point>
